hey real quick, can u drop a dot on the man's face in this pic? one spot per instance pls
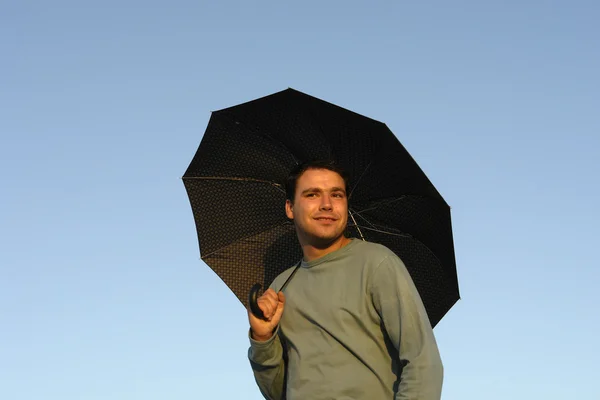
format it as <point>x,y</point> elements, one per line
<point>320,208</point>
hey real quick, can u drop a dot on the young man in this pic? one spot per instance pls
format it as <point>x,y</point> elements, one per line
<point>351,324</point>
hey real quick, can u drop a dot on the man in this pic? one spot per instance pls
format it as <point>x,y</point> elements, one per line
<point>351,324</point>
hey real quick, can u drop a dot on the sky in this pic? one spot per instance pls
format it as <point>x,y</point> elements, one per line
<point>103,294</point>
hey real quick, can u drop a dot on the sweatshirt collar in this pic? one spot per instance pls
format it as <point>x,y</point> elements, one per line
<point>330,256</point>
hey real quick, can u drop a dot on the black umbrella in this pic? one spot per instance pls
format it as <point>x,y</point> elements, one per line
<point>235,186</point>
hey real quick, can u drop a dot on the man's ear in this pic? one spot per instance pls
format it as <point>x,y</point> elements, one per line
<point>289,209</point>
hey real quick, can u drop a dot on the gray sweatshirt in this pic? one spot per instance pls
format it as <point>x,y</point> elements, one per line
<point>353,327</point>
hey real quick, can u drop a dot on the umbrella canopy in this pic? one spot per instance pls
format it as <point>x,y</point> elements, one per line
<point>235,184</point>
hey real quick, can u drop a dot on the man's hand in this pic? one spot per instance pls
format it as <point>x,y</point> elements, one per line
<point>271,304</point>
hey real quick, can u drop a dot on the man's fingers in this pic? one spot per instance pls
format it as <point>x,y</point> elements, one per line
<point>270,302</point>
<point>270,293</point>
<point>279,309</point>
<point>266,306</point>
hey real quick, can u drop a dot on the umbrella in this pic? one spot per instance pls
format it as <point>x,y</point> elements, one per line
<point>235,184</point>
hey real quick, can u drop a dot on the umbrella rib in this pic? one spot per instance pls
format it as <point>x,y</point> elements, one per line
<point>373,227</point>
<point>388,202</point>
<point>231,178</point>
<point>390,233</point>
<point>359,179</point>
<point>376,228</point>
<point>356,224</point>
<point>243,238</point>
<point>363,217</point>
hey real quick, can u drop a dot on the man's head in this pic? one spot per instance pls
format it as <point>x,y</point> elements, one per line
<point>292,179</point>
<point>318,203</point>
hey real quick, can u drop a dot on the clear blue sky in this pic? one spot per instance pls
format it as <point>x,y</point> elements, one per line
<point>103,104</point>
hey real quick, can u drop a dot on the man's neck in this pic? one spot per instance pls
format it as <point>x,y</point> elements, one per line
<point>312,252</point>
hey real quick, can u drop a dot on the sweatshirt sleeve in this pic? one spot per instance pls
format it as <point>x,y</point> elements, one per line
<point>266,359</point>
<point>403,314</point>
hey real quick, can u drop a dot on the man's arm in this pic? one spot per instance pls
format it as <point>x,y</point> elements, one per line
<point>266,359</point>
<point>398,303</point>
<point>266,352</point>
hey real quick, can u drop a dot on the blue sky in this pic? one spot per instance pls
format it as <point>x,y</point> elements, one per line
<point>102,106</point>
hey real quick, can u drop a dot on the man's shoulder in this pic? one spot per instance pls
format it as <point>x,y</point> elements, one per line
<point>372,249</point>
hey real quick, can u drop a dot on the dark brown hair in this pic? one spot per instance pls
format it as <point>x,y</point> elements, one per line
<point>298,170</point>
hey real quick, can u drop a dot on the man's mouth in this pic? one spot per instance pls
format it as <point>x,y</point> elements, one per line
<point>326,219</point>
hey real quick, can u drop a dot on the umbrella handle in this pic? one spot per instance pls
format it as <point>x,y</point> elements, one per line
<point>253,301</point>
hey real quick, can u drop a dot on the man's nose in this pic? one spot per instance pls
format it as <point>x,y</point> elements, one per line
<point>326,203</point>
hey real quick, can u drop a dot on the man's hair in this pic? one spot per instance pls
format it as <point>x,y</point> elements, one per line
<point>298,170</point>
